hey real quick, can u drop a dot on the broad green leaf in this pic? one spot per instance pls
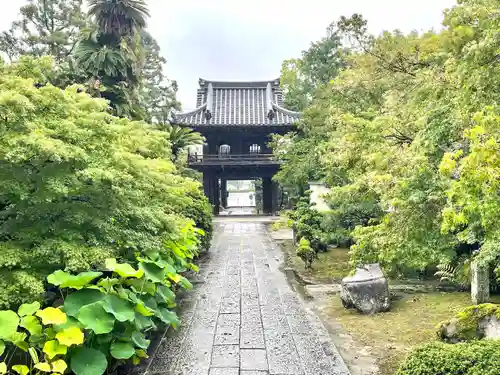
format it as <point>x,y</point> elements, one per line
<point>124,270</point>
<point>153,272</point>
<point>32,324</point>
<point>28,309</point>
<point>176,278</point>
<point>141,308</point>
<point>70,323</point>
<point>185,283</point>
<point>168,317</point>
<point>122,350</point>
<point>18,339</point>
<point>122,309</point>
<point>2,347</point>
<point>43,366</point>
<point>3,368</point>
<point>139,340</point>
<point>108,283</point>
<point>142,286</point>
<point>21,369</point>
<point>142,322</point>
<point>51,315</point>
<point>75,301</point>
<point>94,317</point>
<point>136,360</point>
<point>8,323</point>
<point>70,336</point>
<point>141,353</point>
<point>59,366</point>
<point>87,361</point>
<point>67,280</point>
<point>166,294</point>
<point>53,348</point>
<point>194,267</point>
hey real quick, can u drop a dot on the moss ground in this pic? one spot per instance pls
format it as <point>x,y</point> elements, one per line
<point>412,321</point>
<point>389,336</point>
<point>331,266</point>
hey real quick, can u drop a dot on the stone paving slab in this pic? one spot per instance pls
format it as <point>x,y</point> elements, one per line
<point>243,318</point>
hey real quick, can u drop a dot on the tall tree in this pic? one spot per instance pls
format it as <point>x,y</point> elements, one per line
<point>112,52</point>
<point>300,77</point>
<point>158,92</point>
<point>45,27</point>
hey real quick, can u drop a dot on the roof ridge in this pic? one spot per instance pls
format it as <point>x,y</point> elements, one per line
<point>238,83</point>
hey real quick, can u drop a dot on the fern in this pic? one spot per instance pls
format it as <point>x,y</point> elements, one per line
<point>457,271</point>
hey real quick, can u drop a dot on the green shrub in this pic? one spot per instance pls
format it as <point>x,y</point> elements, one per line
<point>306,253</point>
<point>80,185</point>
<point>103,319</point>
<point>473,358</point>
<point>307,223</point>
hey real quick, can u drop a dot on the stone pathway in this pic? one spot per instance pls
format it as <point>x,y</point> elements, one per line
<point>244,319</point>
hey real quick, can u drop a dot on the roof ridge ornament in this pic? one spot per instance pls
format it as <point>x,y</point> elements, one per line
<point>269,102</point>
<point>209,101</point>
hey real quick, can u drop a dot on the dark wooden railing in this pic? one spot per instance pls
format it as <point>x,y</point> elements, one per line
<point>231,158</point>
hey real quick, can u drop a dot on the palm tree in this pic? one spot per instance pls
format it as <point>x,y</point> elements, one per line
<point>181,137</point>
<point>112,52</point>
<point>119,17</point>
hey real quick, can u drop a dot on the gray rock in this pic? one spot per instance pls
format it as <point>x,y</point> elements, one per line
<point>367,291</point>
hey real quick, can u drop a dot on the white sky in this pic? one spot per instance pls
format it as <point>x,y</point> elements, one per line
<point>248,40</point>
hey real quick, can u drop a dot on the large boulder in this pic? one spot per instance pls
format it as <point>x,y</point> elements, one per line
<point>367,291</point>
<point>473,323</point>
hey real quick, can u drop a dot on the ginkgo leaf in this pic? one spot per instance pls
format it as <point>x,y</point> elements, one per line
<point>51,315</point>
<point>3,368</point>
<point>70,336</point>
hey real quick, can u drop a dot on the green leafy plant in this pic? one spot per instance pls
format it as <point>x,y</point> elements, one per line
<point>104,317</point>
<point>306,253</point>
<point>477,357</point>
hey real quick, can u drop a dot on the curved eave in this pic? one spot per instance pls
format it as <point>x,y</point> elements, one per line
<point>178,118</point>
<point>285,111</point>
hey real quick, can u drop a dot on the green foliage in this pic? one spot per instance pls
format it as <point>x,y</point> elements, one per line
<point>474,358</point>
<point>180,138</point>
<point>458,271</point>
<point>306,253</point>
<point>307,223</point>
<point>467,323</point>
<point>80,186</point>
<point>45,27</point>
<point>103,321</point>
<point>407,136</point>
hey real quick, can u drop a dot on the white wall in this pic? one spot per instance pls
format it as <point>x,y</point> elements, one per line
<point>317,192</point>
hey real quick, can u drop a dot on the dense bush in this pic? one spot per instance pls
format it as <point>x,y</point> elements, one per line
<point>474,358</point>
<point>80,185</point>
<point>103,319</point>
<point>408,135</point>
<point>307,223</point>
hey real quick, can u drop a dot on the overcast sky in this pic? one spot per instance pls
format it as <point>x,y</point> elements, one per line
<point>248,40</point>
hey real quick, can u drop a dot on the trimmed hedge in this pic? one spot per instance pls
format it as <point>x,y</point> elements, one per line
<point>472,358</point>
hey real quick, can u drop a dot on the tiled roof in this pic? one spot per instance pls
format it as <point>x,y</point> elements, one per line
<point>238,104</point>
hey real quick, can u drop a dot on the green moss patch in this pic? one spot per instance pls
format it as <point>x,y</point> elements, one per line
<point>465,325</point>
